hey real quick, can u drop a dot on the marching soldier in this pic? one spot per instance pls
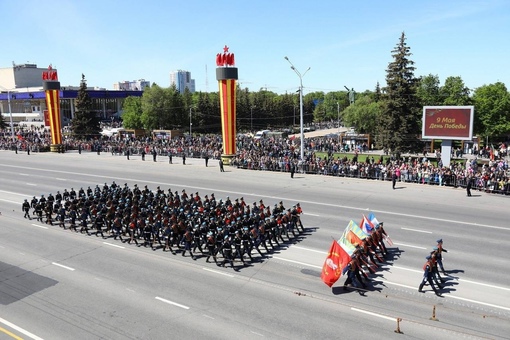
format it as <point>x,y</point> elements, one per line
<point>439,256</point>
<point>26,208</point>
<point>427,276</point>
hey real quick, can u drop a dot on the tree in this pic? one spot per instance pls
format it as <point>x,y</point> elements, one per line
<point>454,92</point>
<point>132,113</point>
<point>85,123</point>
<point>492,110</point>
<point>428,91</point>
<point>363,114</point>
<point>399,124</point>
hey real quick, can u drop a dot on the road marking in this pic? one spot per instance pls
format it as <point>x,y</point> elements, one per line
<point>479,302</point>
<point>408,245</point>
<point>23,174</point>
<point>32,184</point>
<point>482,284</point>
<point>12,193</point>
<point>316,215</point>
<point>60,179</point>
<point>114,245</point>
<point>9,201</point>
<point>399,284</point>
<point>171,302</point>
<point>297,262</point>
<point>39,226</point>
<point>207,316</point>
<point>62,266</point>
<point>218,272</point>
<point>279,198</point>
<point>418,231</point>
<point>130,290</point>
<point>373,314</point>
<point>12,335</point>
<point>19,329</point>
<point>315,251</point>
<point>256,333</point>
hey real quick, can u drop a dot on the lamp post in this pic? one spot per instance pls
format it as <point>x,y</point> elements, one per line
<point>302,147</point>
<point>251,128</point>
<point>10,110</point>
<point>190,123</point>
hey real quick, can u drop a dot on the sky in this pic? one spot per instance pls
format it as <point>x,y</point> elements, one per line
<point>344,43</point>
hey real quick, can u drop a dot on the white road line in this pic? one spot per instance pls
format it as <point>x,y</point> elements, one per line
<point>39,226</point>
<point>297,262</point>
<point>12,193</point>
<point>114,245</point>
<point>373,314</point>
<point>171,302</point>
<point>62,266</point>
<point>399,284</point>
<point>458,279</point>
<point>218,272</point>
<point>207,316</point>
<point>9,201</point>
<point>408,245</point>
<point>256,333</point>
<point>316,215</point>
<point>279,198</point>
<point>32,184</point>
<point>308,249</point>
<point>19,329</point>
<point>60,179</point>
<point>23,174</point>
<point>130,290</point>
<point>418,231</point>
<point>478,302</point>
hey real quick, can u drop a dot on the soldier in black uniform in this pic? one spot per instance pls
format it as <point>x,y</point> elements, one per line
<point>39,211</point>
<point>61,215</point>
<point>99,224</point>
<point>33,203</point>
<point>26,208</point>
<point>226,250</point>
<point>83,218</point>
<point>211,247</point>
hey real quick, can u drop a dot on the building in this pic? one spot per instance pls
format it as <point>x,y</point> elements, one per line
<point>22,97</point>
<point>182,80</point>
<point>135,85</point>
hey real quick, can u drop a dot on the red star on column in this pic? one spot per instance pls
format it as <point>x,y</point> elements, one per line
<point>225,49</point>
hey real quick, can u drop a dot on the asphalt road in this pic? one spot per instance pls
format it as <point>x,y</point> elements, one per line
<point>57,284</point>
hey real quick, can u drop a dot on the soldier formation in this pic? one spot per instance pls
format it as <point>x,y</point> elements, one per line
<point>226,231</point>
<point>370,254</point>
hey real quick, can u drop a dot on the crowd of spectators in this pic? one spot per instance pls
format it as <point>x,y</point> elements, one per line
<point>486,167</point>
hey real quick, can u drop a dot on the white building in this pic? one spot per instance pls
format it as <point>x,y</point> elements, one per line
<point>135,85</point>
<point>182,80</point>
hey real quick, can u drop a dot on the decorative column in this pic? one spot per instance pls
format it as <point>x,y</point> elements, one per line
<point>226,75</point>
<point>51,87</point>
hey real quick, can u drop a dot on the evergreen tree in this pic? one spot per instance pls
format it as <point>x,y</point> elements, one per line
<point>399,124</point>
<point>85,123</point>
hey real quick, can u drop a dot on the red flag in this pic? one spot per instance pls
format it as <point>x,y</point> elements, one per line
<point>337,259</point>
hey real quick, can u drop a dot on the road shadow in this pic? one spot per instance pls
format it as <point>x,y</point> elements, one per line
<point>17,283</point>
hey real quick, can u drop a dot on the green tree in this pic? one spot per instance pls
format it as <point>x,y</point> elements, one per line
<point>85,123</point>
<point>492,110</point>
<point>132,113</point>
<point>428,91</point>
<point>454,92</point>
<point>399,124</point>
<point>363,114</point>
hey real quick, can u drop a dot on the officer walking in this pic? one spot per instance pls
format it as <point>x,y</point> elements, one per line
<point>221,165</point>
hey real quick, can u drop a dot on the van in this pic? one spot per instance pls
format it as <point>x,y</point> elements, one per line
<point>262,134</point>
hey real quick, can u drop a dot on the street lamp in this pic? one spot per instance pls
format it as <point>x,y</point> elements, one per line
<point>190,123</point>
<point>302,148</point>
<point>251,129</point>
<point>10,110</point>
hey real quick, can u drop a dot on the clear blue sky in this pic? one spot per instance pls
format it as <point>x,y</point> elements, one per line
<point>344,42</point>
